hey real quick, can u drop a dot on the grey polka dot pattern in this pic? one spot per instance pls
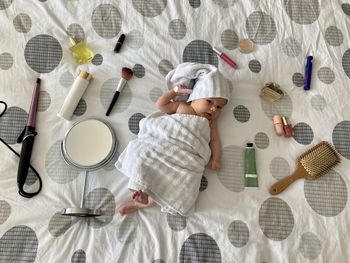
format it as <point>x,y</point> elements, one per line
<point>334,36</point>
<point>5,4</point>
<point>291,47</point>
<point>298,79</point>
<point>195,3</point>
<point>22,23</point>
<point>12,124</point>
<point>262,140</point>
<point>106,20</point>
<point>279,168</point>
<point>66,79</point>
<point>231,174</point>
<point>79,256</point>
<point>107,91</point>
<point>100,198</point>
<point>254,66</point>
<point>165,66</point>
<point>327,195</point>
<point>201,52</point>
<point>19,244</point>
<point>139,71</point>
<point>260,28</point>
<point>346,62</point>
<point>5,211</point>
<point>303,133</point>
<point>135,39</point>
<point>155,93</point>
<point>341,138</point>
<point>176,222</point>
<point>229,39</point>
<point>149,8</point>
<point>326,75</point>
<point>76,32</point>
<point>57,169</point>
<point>346,8</point>
<point>81,108</point>
<point>134,122</point>
<point>59,224</point>
<point>43,53</point>
<point>31,177</point>
<point>238,233</point>
<point>318,102</point>
<point>204,184</point>
<point>309,245</point>
<point>6,61</point>
<point>126,230</point>
<point>200,248</point>
<point>241,113</point>
<point>44,101</point>
<point>283,107</point>
<point>276,219</point>
<point>97,60</point>
<point>302,11</point>
<point>225,3</point>
<point>177,29</point>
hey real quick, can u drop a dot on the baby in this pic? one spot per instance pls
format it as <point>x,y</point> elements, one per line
<point>200,109</point>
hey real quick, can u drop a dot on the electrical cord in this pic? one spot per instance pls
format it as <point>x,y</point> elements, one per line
<point>21,191</point>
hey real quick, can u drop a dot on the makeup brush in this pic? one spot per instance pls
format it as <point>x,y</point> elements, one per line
<point>126,75</point>
<point>310,165</point>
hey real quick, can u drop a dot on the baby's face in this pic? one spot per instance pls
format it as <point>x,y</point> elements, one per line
<point>209,108</point>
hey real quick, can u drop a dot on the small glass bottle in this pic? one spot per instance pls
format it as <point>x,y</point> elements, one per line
<point>288,129</point>
<point>80,51</point>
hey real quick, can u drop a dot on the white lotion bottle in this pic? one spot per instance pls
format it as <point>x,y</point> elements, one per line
<point>74,95</point>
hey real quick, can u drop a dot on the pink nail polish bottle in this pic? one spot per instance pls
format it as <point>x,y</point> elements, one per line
<point>288,129</point>
<point>277,123</point>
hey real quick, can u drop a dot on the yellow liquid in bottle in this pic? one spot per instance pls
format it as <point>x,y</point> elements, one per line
<point>81,53</point>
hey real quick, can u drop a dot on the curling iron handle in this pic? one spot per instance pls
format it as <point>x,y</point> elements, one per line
<point>24,161</point>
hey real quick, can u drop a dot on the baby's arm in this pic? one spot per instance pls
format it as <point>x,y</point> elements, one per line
<point>165,104</point>
<point>215,146</point>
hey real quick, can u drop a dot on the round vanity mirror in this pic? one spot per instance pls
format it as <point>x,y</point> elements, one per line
<point>88,145</point>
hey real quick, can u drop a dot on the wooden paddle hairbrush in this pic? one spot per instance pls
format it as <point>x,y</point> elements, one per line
<point>310,165</point>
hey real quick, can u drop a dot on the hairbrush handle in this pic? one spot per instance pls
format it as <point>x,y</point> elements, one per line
<point>282,184</point>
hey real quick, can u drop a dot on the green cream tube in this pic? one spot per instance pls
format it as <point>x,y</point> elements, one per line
<point>250,179</point>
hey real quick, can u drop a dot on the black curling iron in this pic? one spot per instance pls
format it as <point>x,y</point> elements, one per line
<point>27,140</point>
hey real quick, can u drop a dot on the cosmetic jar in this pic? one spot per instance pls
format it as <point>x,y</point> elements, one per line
<point>277,123</point>
<point>246,46</point>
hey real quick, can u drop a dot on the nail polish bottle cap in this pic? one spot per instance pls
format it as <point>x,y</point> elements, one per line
<point>284,120</point>
<point>277,119</point>
<point>249,144</point>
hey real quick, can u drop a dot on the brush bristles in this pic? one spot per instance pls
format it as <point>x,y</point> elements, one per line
<point>127,73</point>
<point>319,159</point>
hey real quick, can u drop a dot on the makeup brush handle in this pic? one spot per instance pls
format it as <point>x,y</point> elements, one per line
<point>282,184</point>
<point>115,97</point>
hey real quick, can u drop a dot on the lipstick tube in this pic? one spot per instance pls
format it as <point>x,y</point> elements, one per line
<point>288,129</point>
<point>119,44</point>
<point>225,58</point>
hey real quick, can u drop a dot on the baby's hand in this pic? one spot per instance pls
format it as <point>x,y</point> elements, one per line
<point>182,90</point>
<point>215,165</point>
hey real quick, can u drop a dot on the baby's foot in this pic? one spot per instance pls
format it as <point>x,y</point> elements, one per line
<point>140,197</point>
<point>128,208</point>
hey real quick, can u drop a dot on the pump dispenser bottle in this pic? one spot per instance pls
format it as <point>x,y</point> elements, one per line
<point>80,51</point>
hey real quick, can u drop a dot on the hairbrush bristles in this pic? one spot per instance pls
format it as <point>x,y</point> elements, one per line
<point>319,159</point>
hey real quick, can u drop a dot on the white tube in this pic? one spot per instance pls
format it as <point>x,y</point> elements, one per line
<point>74,95</point>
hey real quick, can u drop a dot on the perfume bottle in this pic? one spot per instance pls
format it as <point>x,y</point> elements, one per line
<point>80,51</point>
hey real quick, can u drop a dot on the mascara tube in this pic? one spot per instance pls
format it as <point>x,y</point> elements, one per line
<point>250,178</point>
<point>308,72</point>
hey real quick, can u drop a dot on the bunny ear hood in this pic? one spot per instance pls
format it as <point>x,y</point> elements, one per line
<point>205,79</point>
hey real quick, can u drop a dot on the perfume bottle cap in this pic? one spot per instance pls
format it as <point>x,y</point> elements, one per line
<point>72,41</point>
<point>85,75</point>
